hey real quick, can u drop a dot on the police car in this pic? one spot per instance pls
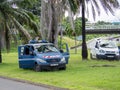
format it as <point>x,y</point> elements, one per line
<point>42,56</point>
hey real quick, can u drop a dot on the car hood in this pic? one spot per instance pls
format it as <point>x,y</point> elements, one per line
<point>109,49</point>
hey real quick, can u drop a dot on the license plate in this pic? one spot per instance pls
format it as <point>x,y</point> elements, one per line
<point>53,64</point>
<point>110,56</point>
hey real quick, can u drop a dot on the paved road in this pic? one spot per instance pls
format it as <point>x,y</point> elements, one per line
<point>6,84</point>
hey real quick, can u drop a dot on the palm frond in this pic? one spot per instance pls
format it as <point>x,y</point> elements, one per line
<point>73,5</point>
<point>97,6</point>
<point>28,19</point>
<point>104,4</point>
<point>35,27</point>
<point>114,3</point>
<point>22,29</point>
<point>93,11</point>
<point>21,16</point>
<point>87,9</point>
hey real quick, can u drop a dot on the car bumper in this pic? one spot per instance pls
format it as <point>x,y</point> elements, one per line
<point>52,66</point>
<point>110,57</point>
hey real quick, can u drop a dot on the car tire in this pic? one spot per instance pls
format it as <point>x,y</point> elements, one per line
<point>63,68</point>
<point>117,58</point>
<point>37,68</point>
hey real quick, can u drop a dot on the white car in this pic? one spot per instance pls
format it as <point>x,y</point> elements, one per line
<point>104,49</point>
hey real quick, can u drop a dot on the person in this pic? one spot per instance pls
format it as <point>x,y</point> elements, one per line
<point>97,43</point>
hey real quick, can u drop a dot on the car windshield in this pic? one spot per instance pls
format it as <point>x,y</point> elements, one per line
<point>46,48</point>
<point>108,45</point>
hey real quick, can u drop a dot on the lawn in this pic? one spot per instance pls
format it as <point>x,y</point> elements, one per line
<point>79,75</point>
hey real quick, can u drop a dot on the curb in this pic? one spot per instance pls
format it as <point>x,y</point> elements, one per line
<point>36,84</point>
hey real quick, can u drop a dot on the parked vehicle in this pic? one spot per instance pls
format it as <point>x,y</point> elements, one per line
<point>42,55</point>
<point>105,49</point>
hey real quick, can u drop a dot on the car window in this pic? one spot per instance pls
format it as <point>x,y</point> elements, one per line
<point>108,45</point>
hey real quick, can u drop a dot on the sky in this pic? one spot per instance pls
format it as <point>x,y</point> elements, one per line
<point>108,18</point>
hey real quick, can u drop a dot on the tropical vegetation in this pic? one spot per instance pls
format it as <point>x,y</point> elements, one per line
<point>13,20</point>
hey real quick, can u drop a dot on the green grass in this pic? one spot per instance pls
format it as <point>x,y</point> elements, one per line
<point>79,75</point>
<point>71,42</point>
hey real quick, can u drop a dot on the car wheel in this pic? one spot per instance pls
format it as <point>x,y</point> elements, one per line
<point>63,68</point>
<point>37,68</point>
<point>117,58</point>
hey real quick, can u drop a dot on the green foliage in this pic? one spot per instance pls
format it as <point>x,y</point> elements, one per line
<point>74,5</point>
<point>92,36</point>
<point>14,19</point>
<point>31,5</point>
<point>102,23</point>
<point>77,24</point>
<point>26,4</point>
<point>69,41</point>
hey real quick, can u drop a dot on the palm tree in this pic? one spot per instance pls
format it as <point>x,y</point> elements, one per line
<point>12,20</point>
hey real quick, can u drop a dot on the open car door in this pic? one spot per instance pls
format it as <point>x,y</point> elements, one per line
<point>26,60</point>
<point>65,51</point>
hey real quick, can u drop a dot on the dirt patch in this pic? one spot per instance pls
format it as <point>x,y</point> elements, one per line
<point>105,65</point>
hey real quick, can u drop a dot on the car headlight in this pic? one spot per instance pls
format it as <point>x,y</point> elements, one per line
<point>101,51</point>
<point>63,60</point>
<point>40,60</point>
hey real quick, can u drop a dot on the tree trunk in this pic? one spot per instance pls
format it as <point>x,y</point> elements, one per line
<point>50,12</point>
<point>42,19</point>
<point>50,18</point>
<point>84,46</point>
<point>53,23</point>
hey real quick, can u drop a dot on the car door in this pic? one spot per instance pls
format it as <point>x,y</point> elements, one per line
<point>65,51</point>
<point>26,59</point>
<point>21,56</point>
